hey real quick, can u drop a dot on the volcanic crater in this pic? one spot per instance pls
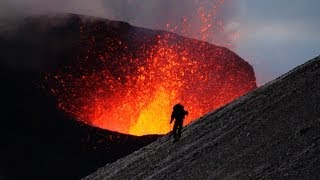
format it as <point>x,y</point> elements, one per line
<point>126,79</point>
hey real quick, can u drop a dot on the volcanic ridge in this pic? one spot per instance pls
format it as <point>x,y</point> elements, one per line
<point>270,133</point>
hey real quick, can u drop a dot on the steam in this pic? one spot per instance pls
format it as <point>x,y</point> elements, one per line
<point>156,14</point>
<point>153,14</point>
<point>18,8</point>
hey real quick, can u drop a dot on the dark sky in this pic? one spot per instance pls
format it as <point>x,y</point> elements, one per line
<point>274,35</point>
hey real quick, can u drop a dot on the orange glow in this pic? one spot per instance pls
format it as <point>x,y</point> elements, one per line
<point>140,102</point>
<point>134,91</point>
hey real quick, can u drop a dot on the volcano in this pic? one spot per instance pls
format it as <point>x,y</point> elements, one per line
<point>80,92</point>
<point>270,133</point>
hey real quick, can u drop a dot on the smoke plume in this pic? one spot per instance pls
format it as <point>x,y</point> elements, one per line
<point>174,15</point>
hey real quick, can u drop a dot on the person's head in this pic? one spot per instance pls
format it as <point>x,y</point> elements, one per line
<point>178,107</point>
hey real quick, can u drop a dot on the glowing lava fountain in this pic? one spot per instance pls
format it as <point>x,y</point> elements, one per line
<point>127,79</point>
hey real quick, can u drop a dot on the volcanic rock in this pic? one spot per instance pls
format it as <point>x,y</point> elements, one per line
<point>270,133</point>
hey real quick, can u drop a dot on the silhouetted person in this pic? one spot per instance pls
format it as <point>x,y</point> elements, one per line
<point>178,114</point>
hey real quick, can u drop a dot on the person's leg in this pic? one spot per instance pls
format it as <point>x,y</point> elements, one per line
<point>179,130</point>
<point>174,131</point>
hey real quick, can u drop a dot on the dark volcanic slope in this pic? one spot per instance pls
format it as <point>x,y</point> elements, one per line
<point>272,132</point>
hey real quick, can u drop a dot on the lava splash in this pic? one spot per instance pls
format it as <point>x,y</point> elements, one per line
<point>127,79</point>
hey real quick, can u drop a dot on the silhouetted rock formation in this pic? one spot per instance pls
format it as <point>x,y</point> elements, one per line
<point>271,133</point>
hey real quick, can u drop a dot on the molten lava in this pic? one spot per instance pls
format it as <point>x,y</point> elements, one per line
<point>135,93</point>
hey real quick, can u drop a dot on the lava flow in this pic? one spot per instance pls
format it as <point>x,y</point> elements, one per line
<point>127,79</point>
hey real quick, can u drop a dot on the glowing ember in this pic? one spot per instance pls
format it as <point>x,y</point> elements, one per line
<point>127,82</point>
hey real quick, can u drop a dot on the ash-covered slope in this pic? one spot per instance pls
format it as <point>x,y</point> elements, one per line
<point>272,132</point>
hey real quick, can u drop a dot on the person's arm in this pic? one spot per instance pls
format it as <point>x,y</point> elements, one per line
<point>186,112</point>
